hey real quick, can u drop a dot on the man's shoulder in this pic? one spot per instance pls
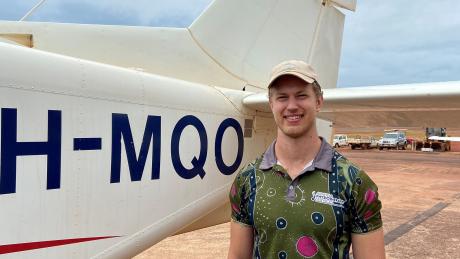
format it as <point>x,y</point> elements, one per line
<point>344,162</point>
<point>347,168</point>
<point>354,175</point>
<point>250,167</point>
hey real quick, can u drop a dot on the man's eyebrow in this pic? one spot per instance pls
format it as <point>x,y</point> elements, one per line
<point>303,91</point>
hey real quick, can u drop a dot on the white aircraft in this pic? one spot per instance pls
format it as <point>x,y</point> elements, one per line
<point>114,137</point>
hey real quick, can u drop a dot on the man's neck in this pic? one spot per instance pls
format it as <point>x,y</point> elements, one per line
<point>295,153</point>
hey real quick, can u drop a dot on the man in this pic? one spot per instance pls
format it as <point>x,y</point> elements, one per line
<point>301,198</point>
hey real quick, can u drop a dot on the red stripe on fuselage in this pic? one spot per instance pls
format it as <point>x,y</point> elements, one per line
<point>13,248</point>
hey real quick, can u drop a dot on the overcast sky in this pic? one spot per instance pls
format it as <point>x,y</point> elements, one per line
<point>385,42</point>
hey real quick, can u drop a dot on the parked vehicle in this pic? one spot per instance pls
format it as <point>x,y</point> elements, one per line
<point>435,140</point>
<point>340,140</point>
<point>362,142</point>
<point>394,139</point>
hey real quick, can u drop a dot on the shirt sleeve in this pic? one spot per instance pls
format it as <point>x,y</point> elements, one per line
<point>239,196</point>
<point>366,206</point>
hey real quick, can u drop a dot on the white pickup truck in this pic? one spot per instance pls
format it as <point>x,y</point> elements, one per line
<point>362,142</point>
<point>340,140</point>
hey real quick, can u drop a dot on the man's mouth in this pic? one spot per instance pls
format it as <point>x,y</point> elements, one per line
<point>293,117</point>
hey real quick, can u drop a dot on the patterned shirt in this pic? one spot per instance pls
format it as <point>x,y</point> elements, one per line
<point>311,216</point>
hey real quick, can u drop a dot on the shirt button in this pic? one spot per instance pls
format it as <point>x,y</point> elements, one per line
<point>291,187</point>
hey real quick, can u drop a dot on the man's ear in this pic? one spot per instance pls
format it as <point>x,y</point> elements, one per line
<point>270,96</point>
<point>319,102</point>
<point>270,102</point>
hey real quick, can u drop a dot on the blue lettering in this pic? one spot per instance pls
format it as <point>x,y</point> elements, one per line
<point>80,144</point>
<point>152,133</point>
<point>224,169</point>
<point>11,149</point>
<point>198,164</point>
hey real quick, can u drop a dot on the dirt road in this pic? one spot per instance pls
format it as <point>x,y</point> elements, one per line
<point>420,193</point>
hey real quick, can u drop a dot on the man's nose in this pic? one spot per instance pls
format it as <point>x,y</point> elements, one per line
<point>292,104</point>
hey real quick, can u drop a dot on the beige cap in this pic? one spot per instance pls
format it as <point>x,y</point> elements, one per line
<point>296,68</point>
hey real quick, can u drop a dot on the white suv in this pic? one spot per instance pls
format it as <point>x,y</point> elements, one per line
<point>395,140</point>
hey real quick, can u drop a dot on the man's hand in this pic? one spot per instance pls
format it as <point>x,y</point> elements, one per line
<point>241,241</point>
<point>369,245</point>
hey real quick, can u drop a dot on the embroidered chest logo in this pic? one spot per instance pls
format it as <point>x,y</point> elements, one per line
<point>326,198</point>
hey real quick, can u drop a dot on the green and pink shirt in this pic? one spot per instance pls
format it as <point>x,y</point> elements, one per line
<point>311,216</point>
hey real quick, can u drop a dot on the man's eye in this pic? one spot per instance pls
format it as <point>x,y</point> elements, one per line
<point>282,98</point>
<point>302,95</point>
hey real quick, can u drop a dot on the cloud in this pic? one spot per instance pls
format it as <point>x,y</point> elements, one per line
<point>176,13</point>
<point>387,42</point>
<point>14,11</point>
<point>173,13</point>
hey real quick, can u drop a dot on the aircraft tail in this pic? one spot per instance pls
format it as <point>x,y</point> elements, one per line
<point>247,38</point>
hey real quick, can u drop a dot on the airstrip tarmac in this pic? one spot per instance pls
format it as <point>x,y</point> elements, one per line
<point>420,193</point>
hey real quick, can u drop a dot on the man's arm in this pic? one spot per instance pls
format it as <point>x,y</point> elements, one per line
<point>241,241</point>
<point>369,245</point>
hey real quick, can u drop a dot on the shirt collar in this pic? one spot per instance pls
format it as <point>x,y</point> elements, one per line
<point>323,159</point>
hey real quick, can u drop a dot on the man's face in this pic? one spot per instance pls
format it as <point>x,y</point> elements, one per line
<point>294,106</point>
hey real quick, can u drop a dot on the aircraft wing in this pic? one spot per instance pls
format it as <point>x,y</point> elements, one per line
<point>411,105</point>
